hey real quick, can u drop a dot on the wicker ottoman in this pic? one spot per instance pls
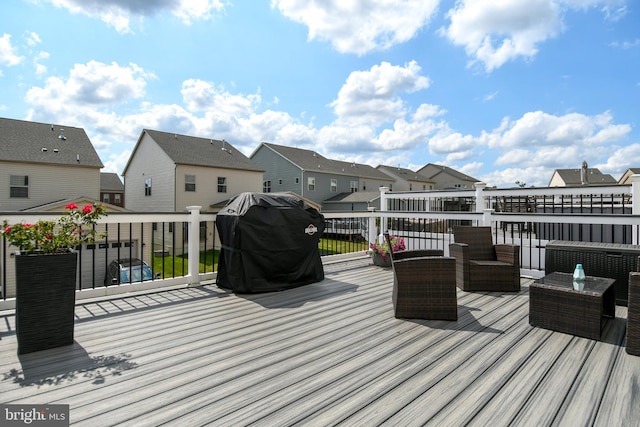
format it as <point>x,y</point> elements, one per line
<point>425,288</point>
<point>633,315</point>
<point>555,304</point>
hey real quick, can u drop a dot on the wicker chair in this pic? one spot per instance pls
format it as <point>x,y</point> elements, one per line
<point>481,265</point>
<point>633,315</point>
<point>424,284</point>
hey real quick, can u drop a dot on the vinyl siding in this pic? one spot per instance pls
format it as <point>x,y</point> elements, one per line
<point>48,183</point>
<point>278,168</point>
<point>149,161</point>
<point>206,194</point>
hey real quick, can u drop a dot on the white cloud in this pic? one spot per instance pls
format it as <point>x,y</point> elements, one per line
<point>119,13</point>
<point>495,32</point>
<point>373,97</point>
<point>8,54</point>
<point>359,26</point>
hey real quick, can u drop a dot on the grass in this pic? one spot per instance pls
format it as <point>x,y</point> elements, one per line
<point>175,266</point>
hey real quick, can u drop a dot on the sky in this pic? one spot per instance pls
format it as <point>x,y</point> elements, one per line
<point>506,91</point>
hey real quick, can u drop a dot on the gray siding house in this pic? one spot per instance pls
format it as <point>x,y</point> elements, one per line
<point>41,163</point>
<point>446,178</point>
<point>313,176</point>
<point>406,179</point>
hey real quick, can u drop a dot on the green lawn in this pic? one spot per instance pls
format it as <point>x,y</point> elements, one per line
<point>167,265</point>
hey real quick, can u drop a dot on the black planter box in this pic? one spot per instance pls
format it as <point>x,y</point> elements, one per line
<point>45,301</point>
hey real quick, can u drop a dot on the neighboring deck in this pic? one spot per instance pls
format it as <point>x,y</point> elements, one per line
<point>323,354</point>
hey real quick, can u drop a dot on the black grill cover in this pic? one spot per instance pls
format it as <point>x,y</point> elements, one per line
<point>269,243</point>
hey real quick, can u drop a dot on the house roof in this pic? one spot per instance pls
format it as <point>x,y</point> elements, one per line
<point>32,142</point>
<point>572,176</point>
<point>60,205</point>
<point>354,197</point>
<point>431,170</point>
<point>406,174</point>
<point>195,151</point>
<point>110,181</point>
<point>308,160</point>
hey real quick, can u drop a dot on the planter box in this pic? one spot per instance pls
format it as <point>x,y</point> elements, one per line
<point>45,301</point>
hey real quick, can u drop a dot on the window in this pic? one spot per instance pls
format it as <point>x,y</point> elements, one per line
<point>222,184</point>
<point>19,186</point>
<point>364,185</point>
<point>266,186</point>
<point>190,183</point>
<point>311,183</point>
<point>297,180</point>
<point>117,198</point>
<point>105,198</point>
<point>147,187</point>
<point>334,185</point>
<point>280,181</point>
<point>410,186</point>
<point>354,186</point>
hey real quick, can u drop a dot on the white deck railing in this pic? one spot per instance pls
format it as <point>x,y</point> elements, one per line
<point>589,213</point>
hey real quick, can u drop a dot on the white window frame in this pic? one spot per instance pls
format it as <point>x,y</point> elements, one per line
<point>19,186</point>
<point>190,183</point>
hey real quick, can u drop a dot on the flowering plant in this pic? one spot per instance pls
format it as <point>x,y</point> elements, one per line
<point>383,248</point>
<point>73,228</point>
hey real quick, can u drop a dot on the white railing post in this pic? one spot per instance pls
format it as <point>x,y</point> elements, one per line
<point>193,274</point>
<point>383,208</point>
<point>635,205</point>
<point>486,217</point>
<point>480,186</point>
<point>372,226</point>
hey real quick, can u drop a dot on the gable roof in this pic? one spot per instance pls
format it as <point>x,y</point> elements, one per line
<point>195,151</point>
<point>32,142</point>
<point>406,174</point>
<point>431,170</point>
<point>308,160</point>
<point>110,181</point>
<point>354,197</point>
<point>594,176</point>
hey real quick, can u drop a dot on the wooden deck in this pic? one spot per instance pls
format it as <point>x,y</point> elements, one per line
<point>323,354</point>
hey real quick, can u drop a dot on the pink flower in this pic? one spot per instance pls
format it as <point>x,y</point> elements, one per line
<point>71,206</point>
<point>87,209</point>
<point>7,230</point>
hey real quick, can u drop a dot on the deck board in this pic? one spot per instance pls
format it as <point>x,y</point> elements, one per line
<point>329,353</point>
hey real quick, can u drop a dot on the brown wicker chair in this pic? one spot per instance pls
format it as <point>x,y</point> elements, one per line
<point>481,265</point>
<point>424,284</point>
<point>633,315</point>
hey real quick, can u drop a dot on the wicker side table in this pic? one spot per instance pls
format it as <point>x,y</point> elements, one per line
<point>633,315</point>
<point>555,304</point>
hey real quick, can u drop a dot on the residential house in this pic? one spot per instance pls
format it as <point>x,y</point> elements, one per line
<point>626,177</point>
<point>168,172</point>
<point>406,179</point>
<point>571,177</point>
<point>360,201</point>
<point>111,189</point>
<point>446,178</point>
<point>42,163</point>
<point>313,176</point>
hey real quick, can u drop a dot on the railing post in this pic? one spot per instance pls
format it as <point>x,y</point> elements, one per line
<point>193,273</point>
<point>372,225</point>
<point>486,216</point>
<point>480,186</point>
<point>635,205</point>
<point>383,208</point>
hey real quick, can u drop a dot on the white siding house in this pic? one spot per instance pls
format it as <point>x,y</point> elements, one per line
<point>168,172</point>
<point>42,163</point>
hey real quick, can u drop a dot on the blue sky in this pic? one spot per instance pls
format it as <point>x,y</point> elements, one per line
<point>504,90</point>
